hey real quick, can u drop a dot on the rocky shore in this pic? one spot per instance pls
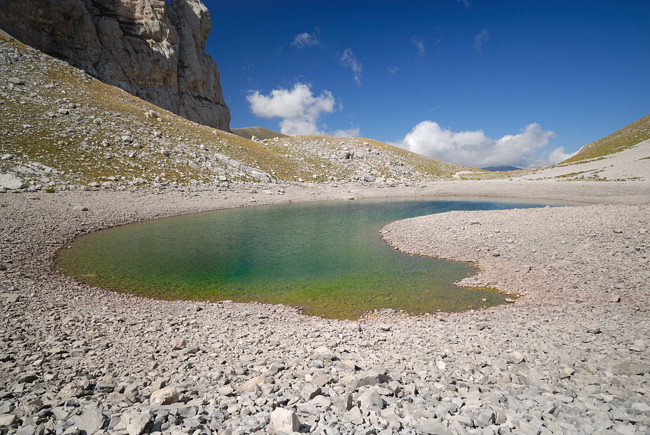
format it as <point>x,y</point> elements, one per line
<point>568,356</point>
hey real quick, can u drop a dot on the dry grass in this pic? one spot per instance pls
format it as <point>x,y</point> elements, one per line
<point>86,145</point>
<point>620,140</point>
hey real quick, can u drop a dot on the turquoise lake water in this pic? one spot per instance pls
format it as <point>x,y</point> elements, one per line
<point>326,257</point>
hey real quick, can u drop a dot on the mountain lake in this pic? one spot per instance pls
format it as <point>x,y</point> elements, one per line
<point>325,257</point>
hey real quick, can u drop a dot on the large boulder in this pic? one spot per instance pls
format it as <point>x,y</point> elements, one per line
<point>11,182</point>
<point>153,49</point>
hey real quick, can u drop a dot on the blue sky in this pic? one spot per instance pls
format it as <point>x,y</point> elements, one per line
<point>479,82</point>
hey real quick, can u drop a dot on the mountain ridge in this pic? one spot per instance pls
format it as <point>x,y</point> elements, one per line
<point>67,130</point>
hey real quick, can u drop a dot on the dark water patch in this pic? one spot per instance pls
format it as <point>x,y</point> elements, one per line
<point>327,258</point>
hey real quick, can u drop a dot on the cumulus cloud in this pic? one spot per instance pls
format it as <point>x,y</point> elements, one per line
<point>481,39</point>
<point>474,148</point>
<point>558,155</point>
<point>352,132</point>
<point>298,109</point>
<point>304,40</point>
<point>349,60</point>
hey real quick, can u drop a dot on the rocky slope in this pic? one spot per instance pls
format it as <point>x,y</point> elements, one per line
<point>621,156</point>
<point>154,49</point>
<point>62,129</point>
<point>631,163</point>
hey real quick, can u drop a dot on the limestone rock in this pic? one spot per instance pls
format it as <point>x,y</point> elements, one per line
<point>632,367</point>
<point>135,421</point>
<point>431,426</point>
<point>310,391</point>
<point>178,343</point>
<point>91,420</point>
<point>164,396</point>
<point>7,419</point>
<point>354,416</point>
<point>252,384</point>
<point>153,49</point>
<point>10,182</point>
<point>370,399</point>
<point>284,420</point>
<point>343,402</point>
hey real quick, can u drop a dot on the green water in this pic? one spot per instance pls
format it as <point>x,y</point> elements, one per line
<point>325,257</point>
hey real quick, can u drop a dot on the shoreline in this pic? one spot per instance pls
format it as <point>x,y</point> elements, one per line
<point>560,357</point>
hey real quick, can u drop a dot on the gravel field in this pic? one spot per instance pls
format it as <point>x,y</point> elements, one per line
<point>568,356</point>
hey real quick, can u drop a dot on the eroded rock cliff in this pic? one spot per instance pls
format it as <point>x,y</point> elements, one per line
<point>154,49</point>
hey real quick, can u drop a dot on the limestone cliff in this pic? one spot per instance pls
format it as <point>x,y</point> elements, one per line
<point>154,49</point>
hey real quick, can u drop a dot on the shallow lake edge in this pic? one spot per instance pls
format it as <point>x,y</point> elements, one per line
<point>509,296</point>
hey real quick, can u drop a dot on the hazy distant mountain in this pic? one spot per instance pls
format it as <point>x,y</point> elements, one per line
<point>501,168</point>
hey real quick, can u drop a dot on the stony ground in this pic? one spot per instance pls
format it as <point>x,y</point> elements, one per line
<point>630,164</point>
<point>569,356</point>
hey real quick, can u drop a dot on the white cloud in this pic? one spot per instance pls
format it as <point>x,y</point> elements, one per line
<point>481,39</point>
<point>304,40</point>
<point>558,155</point>
<point>465,2</point>
<point>474,148</point>
<point>352,132</point>
<point>349,60</point>
<point>419,45</point>
<point>393,70</point>
<point>299,109</point>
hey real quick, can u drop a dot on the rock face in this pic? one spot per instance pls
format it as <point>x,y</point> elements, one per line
<point>154,49</point>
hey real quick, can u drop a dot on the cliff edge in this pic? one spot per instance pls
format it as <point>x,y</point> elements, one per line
<point>153,49</point>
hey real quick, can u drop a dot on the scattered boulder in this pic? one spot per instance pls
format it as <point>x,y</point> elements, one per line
<point>632,367</point>
<point>12,298</point>
<point>134,421</point>
<point>7,419</point>
<point>284,421</point>
<point>11,182</point>
<point>164,396</point>
<point>370,400</point>
<point>90,421</point>
<point>178,343</point>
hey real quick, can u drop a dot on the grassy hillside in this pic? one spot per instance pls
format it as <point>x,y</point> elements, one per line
<point>620,140</point>
<point>586,165</point>
<point>258,132</point>
<point>62,127</point>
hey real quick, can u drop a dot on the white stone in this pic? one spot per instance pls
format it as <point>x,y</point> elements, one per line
<point>11,182</point>
<point>370,399</point>
<point>135,421</point>
<point>284,420</point>
<point>91,420</point>
<point>164,396</point>
<point>7,419</point>
<point>178,343</point>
